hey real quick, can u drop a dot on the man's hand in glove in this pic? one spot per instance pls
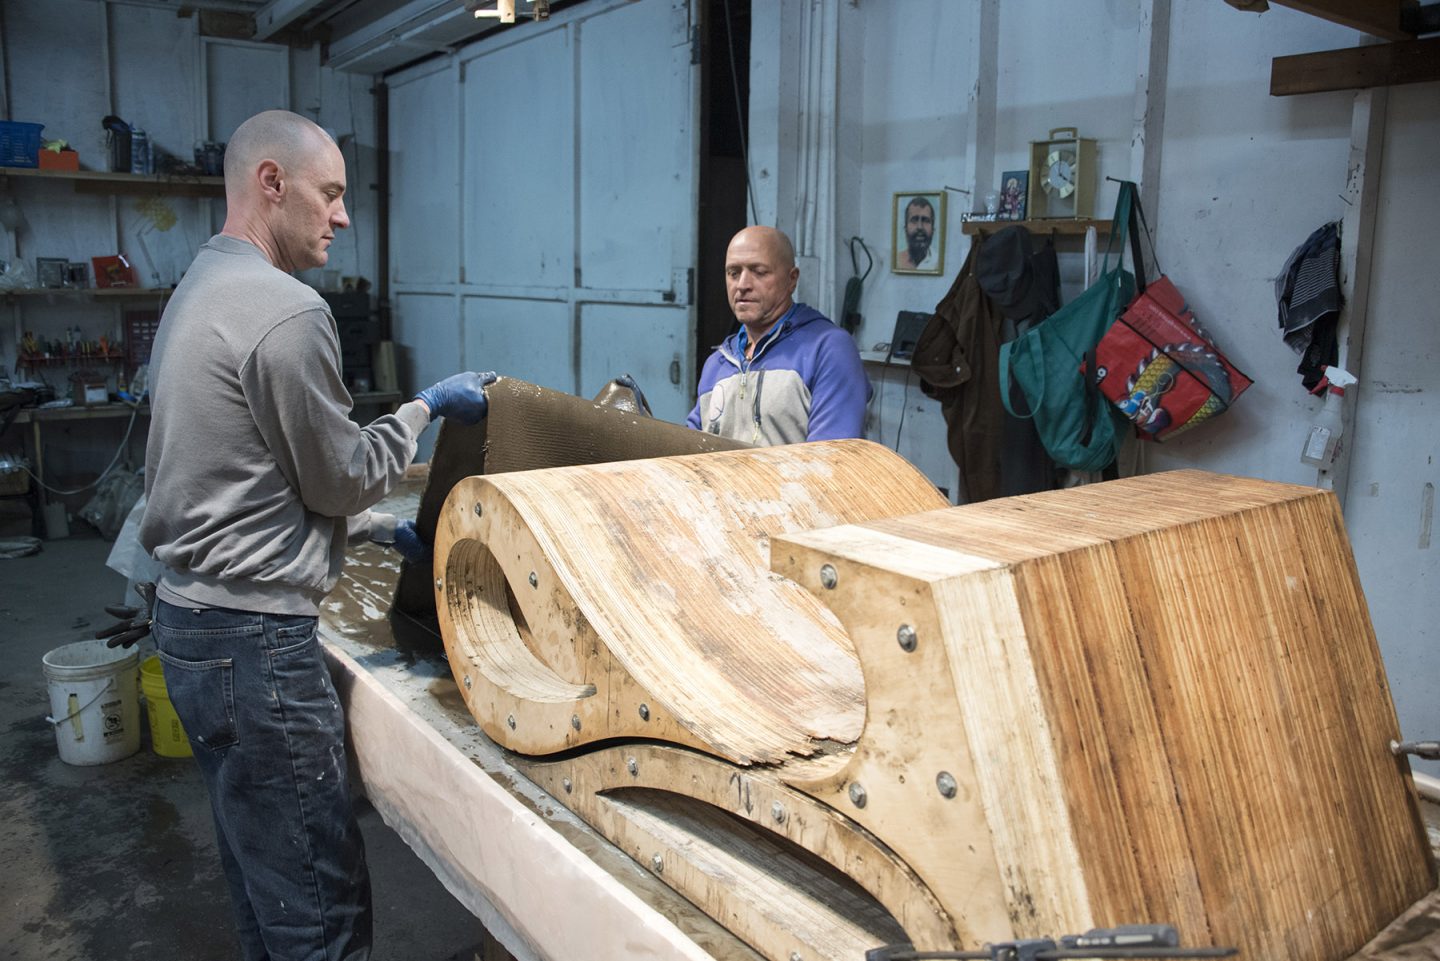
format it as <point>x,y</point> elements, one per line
<point>132,623</point>
<point>461,397</point>
<point>409,543</point>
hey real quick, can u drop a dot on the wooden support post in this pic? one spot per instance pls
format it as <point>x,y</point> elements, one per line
<point>1357,234</point>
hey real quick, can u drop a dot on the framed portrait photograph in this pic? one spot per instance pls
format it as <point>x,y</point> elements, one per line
<point>917,243</point>
<point>1014,188</point>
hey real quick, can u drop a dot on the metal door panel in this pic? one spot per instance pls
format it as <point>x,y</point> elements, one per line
<point>519,164</point>
<point>542,356</point>
<point>636,147</point>
<point>649,343</point>
<point>427,346</point>
<point>424,181</point>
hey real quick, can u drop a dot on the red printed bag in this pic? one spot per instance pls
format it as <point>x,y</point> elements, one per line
<point>1157,366</point>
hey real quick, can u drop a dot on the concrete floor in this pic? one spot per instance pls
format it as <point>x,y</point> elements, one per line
<point>117,861</point>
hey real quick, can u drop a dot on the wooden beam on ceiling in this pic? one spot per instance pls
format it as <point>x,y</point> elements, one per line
<point>1380,65</point>
<point>1380,18</point>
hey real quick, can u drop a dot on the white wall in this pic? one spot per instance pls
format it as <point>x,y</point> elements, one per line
<point>1243,179</point>
<point>71,62</point>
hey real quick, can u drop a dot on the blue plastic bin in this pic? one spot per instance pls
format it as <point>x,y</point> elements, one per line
<point>20,143</point>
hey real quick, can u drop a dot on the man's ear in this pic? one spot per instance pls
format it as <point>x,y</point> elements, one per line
<point>272,179</point>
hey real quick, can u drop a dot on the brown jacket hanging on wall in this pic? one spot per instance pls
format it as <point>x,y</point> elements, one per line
<point>956,357</point>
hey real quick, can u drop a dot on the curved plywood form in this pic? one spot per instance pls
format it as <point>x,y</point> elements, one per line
<point>635,599</point>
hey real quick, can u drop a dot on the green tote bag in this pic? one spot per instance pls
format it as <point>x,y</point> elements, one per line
<point>1078,425</point>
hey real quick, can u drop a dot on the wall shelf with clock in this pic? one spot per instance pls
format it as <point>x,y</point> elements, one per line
<point>1062,176</point>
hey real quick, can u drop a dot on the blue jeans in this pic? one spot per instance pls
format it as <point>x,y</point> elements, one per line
<point>256,700</point>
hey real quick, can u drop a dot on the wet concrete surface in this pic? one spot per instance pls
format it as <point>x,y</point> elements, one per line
<point>118,860</point>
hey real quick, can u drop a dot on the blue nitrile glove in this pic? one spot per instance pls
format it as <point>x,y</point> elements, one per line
<point>409,543</point>
<point>461,396</point>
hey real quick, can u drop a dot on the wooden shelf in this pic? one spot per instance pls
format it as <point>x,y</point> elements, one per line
<point>1040,228</point>
<point>102,182</point>
<point>34,415</point>
<point>30,360</point>
<point>102,293</point>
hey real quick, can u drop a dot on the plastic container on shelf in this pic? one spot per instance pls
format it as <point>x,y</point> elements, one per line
<point>20,143</point>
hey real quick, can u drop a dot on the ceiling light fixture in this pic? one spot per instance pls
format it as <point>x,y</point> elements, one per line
<point>504,10</point>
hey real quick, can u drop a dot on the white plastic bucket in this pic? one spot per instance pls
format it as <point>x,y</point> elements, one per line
<point>94,701</point>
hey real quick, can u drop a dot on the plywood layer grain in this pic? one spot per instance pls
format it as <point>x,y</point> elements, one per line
<point>1156,700</point>
<point>1174,705</point>
<point>660,569</point>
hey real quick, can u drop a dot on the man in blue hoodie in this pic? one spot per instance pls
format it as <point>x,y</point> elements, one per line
<point>789,374</point>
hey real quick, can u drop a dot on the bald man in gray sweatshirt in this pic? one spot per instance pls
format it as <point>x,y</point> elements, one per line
<point>256,478</point>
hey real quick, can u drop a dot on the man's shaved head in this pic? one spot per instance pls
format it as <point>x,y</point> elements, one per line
<point>285,189</point>
<point>279,135</point>
<point>760,277</point>
<point>775,241</point>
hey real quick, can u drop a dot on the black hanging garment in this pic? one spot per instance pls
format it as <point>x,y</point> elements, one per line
<point>1025,286</point>
<point>1308,294</point>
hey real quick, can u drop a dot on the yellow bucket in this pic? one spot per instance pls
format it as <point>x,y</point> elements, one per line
<point>167,737</point>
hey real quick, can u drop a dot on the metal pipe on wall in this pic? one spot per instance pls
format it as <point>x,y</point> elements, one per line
<point>380,94</point>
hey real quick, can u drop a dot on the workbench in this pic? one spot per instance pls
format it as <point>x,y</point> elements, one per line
<point>37,417</point>
<point>544,884</point>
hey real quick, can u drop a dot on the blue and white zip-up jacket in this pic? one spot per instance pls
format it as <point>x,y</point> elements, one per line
<point>804,382</point>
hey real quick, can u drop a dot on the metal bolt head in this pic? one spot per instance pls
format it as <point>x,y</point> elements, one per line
<point>632,766</point>
<point>575,721</point>
<point>946,783</point>
<point>439,584</point>
<point>534,580</point>
<point>644,712</point>
<point>857,794</point>
<point>906,636</point>
<point>657,863</point>
<point>467,682</point>
<point>828,577</point>
<point>479,511</point>
<point>511,721</point>
<point>777,811</point>
<point>795,956</point>
<point>567,784</point>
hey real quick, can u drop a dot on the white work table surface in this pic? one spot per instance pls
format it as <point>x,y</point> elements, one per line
<point>542,882</point>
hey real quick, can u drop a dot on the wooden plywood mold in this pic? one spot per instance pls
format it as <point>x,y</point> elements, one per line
<point>834,713</point>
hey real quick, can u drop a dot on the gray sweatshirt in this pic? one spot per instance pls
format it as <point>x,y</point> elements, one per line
<point>255,476</point>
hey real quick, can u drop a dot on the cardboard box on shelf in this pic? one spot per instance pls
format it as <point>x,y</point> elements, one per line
<point>59,160</point>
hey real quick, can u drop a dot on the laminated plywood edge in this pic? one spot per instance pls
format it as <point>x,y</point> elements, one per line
<point>492,847</point>
<point>998,852</point>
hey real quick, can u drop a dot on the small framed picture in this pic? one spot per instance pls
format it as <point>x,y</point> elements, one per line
<point>77,275</point>
<point>50,271</point>
<point>1014,188</point>
<point>917,243</point>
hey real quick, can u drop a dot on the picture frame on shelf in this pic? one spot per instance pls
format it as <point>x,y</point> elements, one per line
<point>50,271</point>
<point>113,271</point>
<point>1014,191</point>
<point>917,232</point>
<point>77,275</point>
